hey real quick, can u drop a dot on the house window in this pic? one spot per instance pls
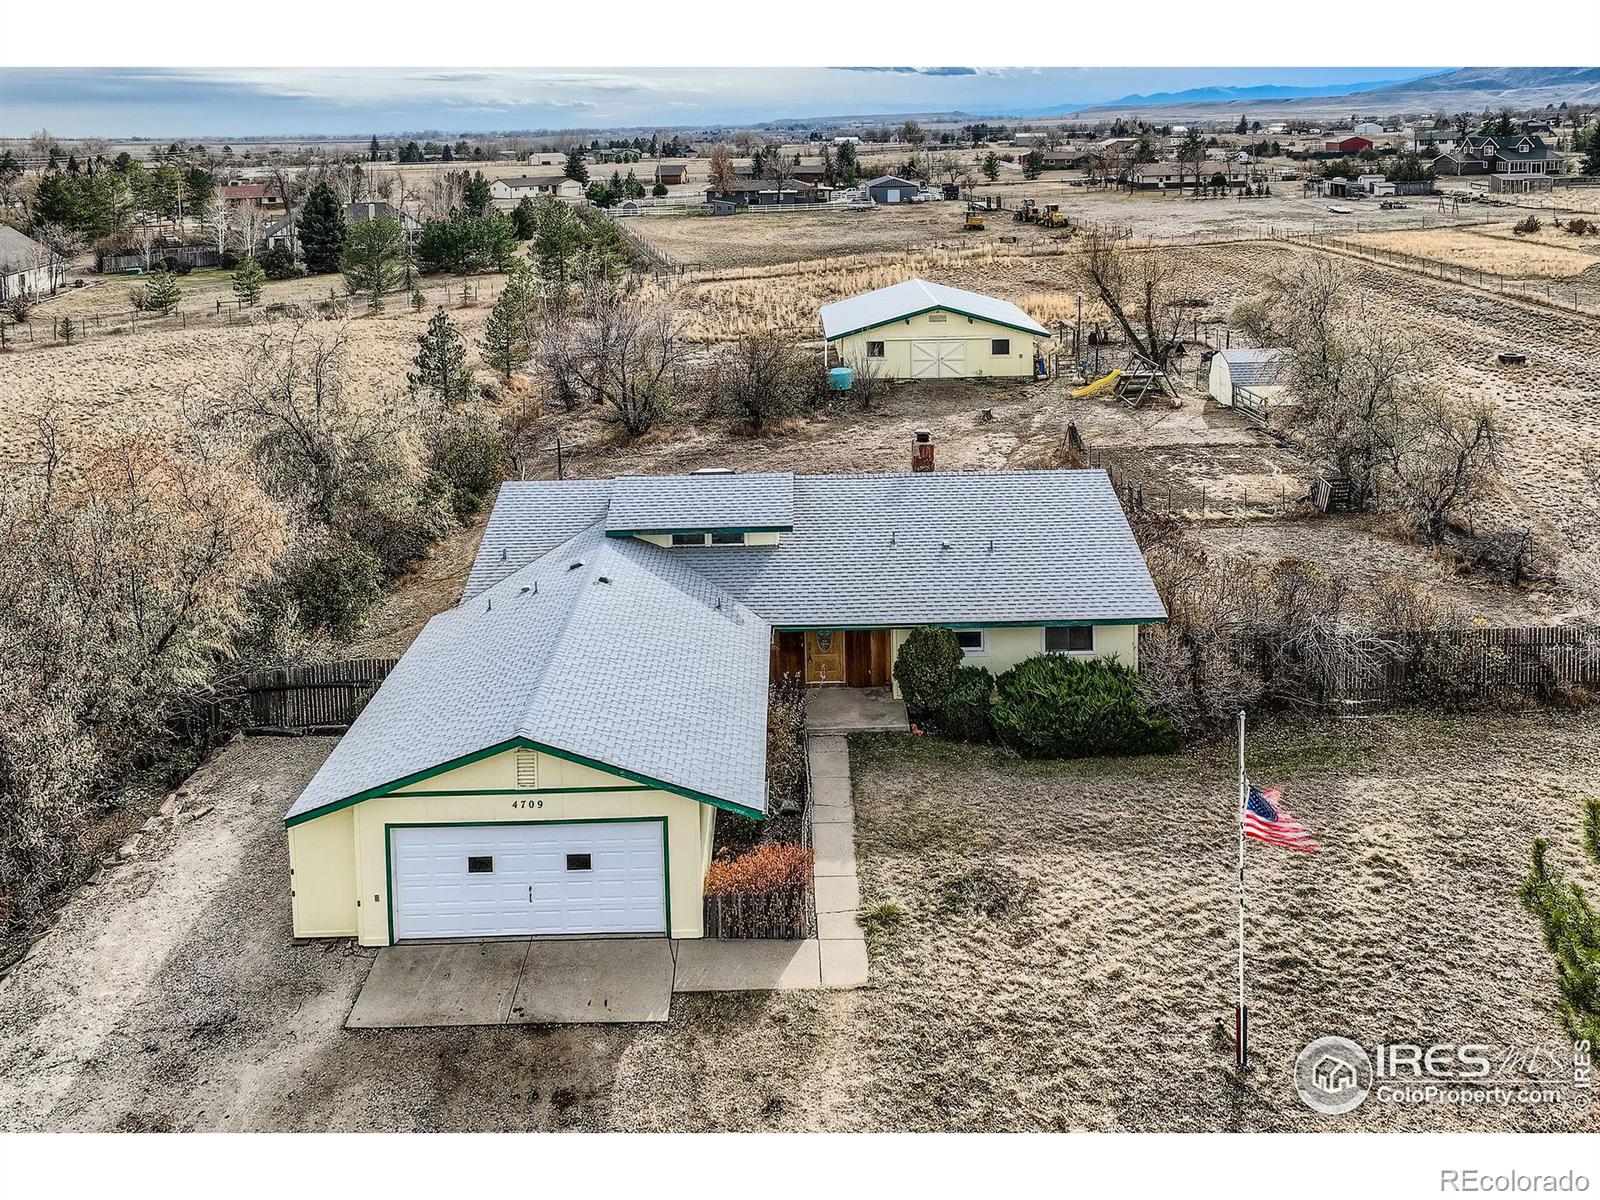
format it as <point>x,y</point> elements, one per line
<point>1069,639</point>
<point>874,349</point>
<point>688,539</point>
<point>727,539</point>
<point>527,769</point>
<point>480,864</point>
<point>579,862</point>
<point>971,641</point>
<point>1000,347</point>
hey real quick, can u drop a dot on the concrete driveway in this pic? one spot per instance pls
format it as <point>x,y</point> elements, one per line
<point>517,982</point>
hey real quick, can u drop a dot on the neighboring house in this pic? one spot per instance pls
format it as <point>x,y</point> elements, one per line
<point>1516,163</point>
<point>1171,174</point>
<point>28,266</point>
<point>1368,129</point>
<point>548,756</point>
<point>1349,144</point>
<point>891,189</point>
<point>1434,139</point>
<point>1250,378</point>
<point>919,330</point>
<point>535,184</point>
<point>262,197</point>
<point>671,173</point>
<point>279,233</point>
<point>753,194</point>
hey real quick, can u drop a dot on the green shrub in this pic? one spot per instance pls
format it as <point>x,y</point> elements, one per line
<point>328,592</point>
<point>966,714</point>
<point>467,460</point>
<point>278,262</point>
<point>1053,706</point>
<point>925,669</point>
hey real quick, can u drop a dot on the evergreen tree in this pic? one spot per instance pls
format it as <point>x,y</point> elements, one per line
<point>524,219</point>
<point>991,166</point>
<point>475,194</point>
<point>373,261</point>
<point>508,337</point>
<point>441,361</point>
<point>248,282</point>
<point>321,230</point>
<point>1571,930</point>
<point>1033,164</point>
<point>372,149</point>
<point>499,240</point>
<point>556,245</point>
<point>161,294</point>
<point>575,168</point>
<point>1591,161</point>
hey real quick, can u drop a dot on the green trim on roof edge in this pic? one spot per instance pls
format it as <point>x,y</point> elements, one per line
<point>976,624</point>
<point>623,533</point>
<point>960,312</point>
<point>517,743</point>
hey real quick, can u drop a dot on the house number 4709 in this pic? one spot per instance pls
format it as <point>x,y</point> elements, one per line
<point>527,804</point>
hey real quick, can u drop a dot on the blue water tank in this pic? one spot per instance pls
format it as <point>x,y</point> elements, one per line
<point>840,379</point>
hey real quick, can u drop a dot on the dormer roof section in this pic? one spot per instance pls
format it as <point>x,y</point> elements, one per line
<point>705,502</point>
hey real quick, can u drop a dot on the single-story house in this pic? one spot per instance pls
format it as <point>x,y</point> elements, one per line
<point>671,173</point>
<point>262,197</point>
<point>535,184</point>
<point>891,189</point>
<point>549,756</point>
<point>28,266</point>
<point>752,193</point>
<point>278,233</point>
<point>1250,377</point>
<point>920,330</point>
<point>1172,174</point>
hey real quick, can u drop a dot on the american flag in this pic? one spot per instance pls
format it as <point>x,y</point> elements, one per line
<point>1267,820</point>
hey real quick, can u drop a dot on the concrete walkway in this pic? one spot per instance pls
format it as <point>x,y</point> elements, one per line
<point>841,710</point>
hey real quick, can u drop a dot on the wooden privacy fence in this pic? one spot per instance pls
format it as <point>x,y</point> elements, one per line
<point>781,912</point>
<point>1449,666</point>
<point>328,696</point>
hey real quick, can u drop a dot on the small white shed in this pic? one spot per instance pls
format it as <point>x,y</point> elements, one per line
<point>1263,373</point>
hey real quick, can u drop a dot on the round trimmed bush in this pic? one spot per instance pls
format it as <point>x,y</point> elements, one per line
<point>1054,706</point>
<point>966,716</point>
<point>925,669</point>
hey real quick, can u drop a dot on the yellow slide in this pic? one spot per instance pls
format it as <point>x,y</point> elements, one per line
<point>1099,387</point>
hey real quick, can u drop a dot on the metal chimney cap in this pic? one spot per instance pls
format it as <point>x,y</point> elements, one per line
<point>923,436</point>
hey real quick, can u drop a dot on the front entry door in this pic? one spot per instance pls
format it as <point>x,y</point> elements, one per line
<point>824,656</point>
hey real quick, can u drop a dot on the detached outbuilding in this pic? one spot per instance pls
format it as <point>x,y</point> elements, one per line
<point>892,189</point>
<point>921,330</point>
<point>1251,379</point>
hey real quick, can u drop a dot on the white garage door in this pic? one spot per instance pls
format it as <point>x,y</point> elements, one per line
<point>452,881</point>
<point>938,360</point>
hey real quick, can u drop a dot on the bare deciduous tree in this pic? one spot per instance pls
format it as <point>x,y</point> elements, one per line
<point>1135,286</point>
<point>622,354</point>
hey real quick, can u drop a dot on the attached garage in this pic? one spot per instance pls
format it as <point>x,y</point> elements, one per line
<point>533,879</point>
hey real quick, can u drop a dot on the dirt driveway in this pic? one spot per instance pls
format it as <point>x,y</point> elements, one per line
<point>1083,994</point>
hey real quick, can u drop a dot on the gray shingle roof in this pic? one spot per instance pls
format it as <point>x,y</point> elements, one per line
<point>895,550</point>
<point>630,658</point>
<point>1256,368</point>
<point>901,300</point>
<point>679,503</point>
<point>19,252</point>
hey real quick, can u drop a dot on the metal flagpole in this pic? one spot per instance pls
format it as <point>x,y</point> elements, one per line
<point>1241,1016</point>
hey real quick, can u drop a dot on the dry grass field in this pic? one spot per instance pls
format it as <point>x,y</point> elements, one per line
<point>1064,961</point>
<point>1549,253</point>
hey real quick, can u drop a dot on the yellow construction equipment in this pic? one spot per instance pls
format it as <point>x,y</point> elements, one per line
<point>1099,387</point>
<point>974,219</point>
<point>1028,213</point>
<point>1053,218</point>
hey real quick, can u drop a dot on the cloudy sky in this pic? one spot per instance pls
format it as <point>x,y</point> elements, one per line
<point>192,102</point>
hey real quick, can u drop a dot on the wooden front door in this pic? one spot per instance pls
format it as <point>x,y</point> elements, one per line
<point>824,656</point>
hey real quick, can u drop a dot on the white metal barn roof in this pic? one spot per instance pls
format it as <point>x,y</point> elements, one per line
<point>902,300</point>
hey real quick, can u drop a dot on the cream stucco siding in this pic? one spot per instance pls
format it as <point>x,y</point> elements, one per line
<point>340,860</point>
<point>1005,646</point>
<point>951,344</point>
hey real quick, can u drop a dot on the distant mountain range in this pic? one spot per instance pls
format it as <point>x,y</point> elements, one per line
<point>1218,95</point>
<point>1466,88</point>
